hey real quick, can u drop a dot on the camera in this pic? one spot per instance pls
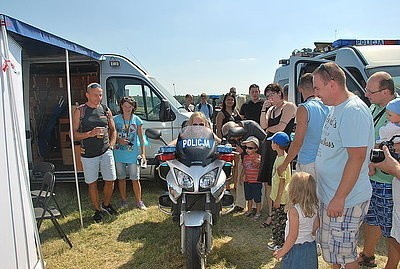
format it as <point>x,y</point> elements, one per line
<point>130,143</point>
<point>377,155</point>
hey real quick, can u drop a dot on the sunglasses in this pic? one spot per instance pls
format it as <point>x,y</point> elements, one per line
<point>94,86</point>
<point>197,124</point>
<point>323,69</point>
<point>251,148</point>
<point>128,99</point>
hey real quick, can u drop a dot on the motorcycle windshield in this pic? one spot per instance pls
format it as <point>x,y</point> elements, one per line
<point>196,146</point>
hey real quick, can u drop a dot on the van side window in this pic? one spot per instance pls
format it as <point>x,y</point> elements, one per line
<point>148,102</point>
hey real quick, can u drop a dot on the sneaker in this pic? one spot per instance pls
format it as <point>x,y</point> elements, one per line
<point>272,246</point>
<point>98,216</point>
<point>108,209</point>
<point>124,204</point>
<point>141,205</point>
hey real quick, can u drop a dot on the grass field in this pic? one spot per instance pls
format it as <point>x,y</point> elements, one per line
<point>149,239</point>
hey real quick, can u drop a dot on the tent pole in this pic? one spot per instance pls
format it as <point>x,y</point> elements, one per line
<point>71,134</point>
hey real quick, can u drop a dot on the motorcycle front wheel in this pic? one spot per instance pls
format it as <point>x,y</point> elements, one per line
<point>195,242</point>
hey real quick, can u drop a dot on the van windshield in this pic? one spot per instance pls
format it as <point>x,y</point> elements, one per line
<point>170,97</point>
<point>394,71</point>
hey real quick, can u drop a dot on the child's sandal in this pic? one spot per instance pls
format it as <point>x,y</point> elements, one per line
<point>367,261</point>
<point>266,223</point>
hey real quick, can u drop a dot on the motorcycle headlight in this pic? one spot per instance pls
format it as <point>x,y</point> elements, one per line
<point>208,180</point>
<point>184,180</point>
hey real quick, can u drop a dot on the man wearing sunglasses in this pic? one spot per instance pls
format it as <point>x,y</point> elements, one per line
<point>341,166</point>
<point>378,221</point>
<point>94,126</point>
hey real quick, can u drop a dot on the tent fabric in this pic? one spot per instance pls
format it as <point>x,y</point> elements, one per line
<point>28,31</point>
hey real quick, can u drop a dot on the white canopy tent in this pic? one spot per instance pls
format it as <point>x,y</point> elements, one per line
<point>20,246</point>
<point>34,41</point>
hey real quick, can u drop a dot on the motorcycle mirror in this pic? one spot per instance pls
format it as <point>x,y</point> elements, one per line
<point>154,134</point>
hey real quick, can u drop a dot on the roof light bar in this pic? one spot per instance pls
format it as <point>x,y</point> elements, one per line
<point>364,42</point>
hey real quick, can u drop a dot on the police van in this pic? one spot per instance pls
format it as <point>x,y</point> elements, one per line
<point>358,58</point>
<point>54,75</point>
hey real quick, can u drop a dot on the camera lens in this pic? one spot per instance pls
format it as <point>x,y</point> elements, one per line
<point>377,156</point>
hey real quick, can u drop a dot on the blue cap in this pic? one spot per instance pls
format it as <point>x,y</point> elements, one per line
<point>394,106</point>
<point>280,138</point>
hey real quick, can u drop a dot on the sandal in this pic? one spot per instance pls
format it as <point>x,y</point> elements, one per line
<point>266,223</point>
<point>367,261</point>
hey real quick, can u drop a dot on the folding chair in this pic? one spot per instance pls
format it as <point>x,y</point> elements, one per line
<point>39,169</point>
<point>44,211</point>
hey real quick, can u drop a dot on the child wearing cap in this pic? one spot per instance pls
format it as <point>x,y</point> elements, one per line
<point>280,142</point>
<point>251,166</point>
<point>392,128</point>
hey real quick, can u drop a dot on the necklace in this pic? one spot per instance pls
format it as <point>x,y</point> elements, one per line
<point>127,124</point>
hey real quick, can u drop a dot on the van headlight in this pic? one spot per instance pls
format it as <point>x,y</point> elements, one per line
<point>208,180</point>
<point>184,180</point>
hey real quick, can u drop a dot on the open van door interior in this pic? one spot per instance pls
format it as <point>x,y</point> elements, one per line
<point>307,65</point>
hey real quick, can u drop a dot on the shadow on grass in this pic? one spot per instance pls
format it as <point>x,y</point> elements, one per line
<point>160,245</point>
<point>159,242</point>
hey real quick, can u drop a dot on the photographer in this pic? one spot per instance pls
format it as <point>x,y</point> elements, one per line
<point>391,166</point>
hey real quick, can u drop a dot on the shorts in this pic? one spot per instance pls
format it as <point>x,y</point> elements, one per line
<point>252,191</point>
<point>308,168</point>
<point>103,163</point>
<point>338,236</point>
<point>301,256</point>
<point>133,170</point>
<point>380,210</point>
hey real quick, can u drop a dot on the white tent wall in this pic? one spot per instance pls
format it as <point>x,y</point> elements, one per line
<point>20,245</point>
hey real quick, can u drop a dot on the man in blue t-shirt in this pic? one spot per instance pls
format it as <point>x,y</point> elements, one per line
<point>205,107</point>
<point>343,185</point>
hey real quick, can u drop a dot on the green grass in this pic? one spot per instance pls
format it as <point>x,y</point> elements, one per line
<point>149,239</point>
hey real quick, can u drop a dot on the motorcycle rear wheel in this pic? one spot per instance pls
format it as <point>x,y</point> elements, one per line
<point>194,241</point>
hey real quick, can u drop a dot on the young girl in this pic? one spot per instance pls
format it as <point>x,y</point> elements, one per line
<point>126,152</point>
<point>300,250</point>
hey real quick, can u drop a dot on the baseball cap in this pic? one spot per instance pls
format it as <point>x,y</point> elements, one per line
<point>394,106</point>
<point>252,139</point>
<point>280,138</point>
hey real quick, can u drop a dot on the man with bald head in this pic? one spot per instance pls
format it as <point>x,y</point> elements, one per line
<point>378,221</point>
<point>341,167</point>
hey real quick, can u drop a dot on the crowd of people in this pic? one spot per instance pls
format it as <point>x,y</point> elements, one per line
<point>334,190</point>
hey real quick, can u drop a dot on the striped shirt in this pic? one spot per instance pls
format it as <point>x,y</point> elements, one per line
<point>251,166</point>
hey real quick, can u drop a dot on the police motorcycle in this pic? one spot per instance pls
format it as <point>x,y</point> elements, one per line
<point>196,170</point>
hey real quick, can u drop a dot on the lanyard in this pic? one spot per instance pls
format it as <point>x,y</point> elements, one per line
<point>378,116</point>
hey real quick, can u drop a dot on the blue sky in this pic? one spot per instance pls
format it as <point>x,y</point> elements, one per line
<point>210,45</point>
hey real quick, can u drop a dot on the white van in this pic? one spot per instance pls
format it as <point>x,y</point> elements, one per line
<point>358,58</point>
<point>49,60</point>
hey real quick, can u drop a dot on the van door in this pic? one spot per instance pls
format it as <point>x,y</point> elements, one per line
<point>307,65</point>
